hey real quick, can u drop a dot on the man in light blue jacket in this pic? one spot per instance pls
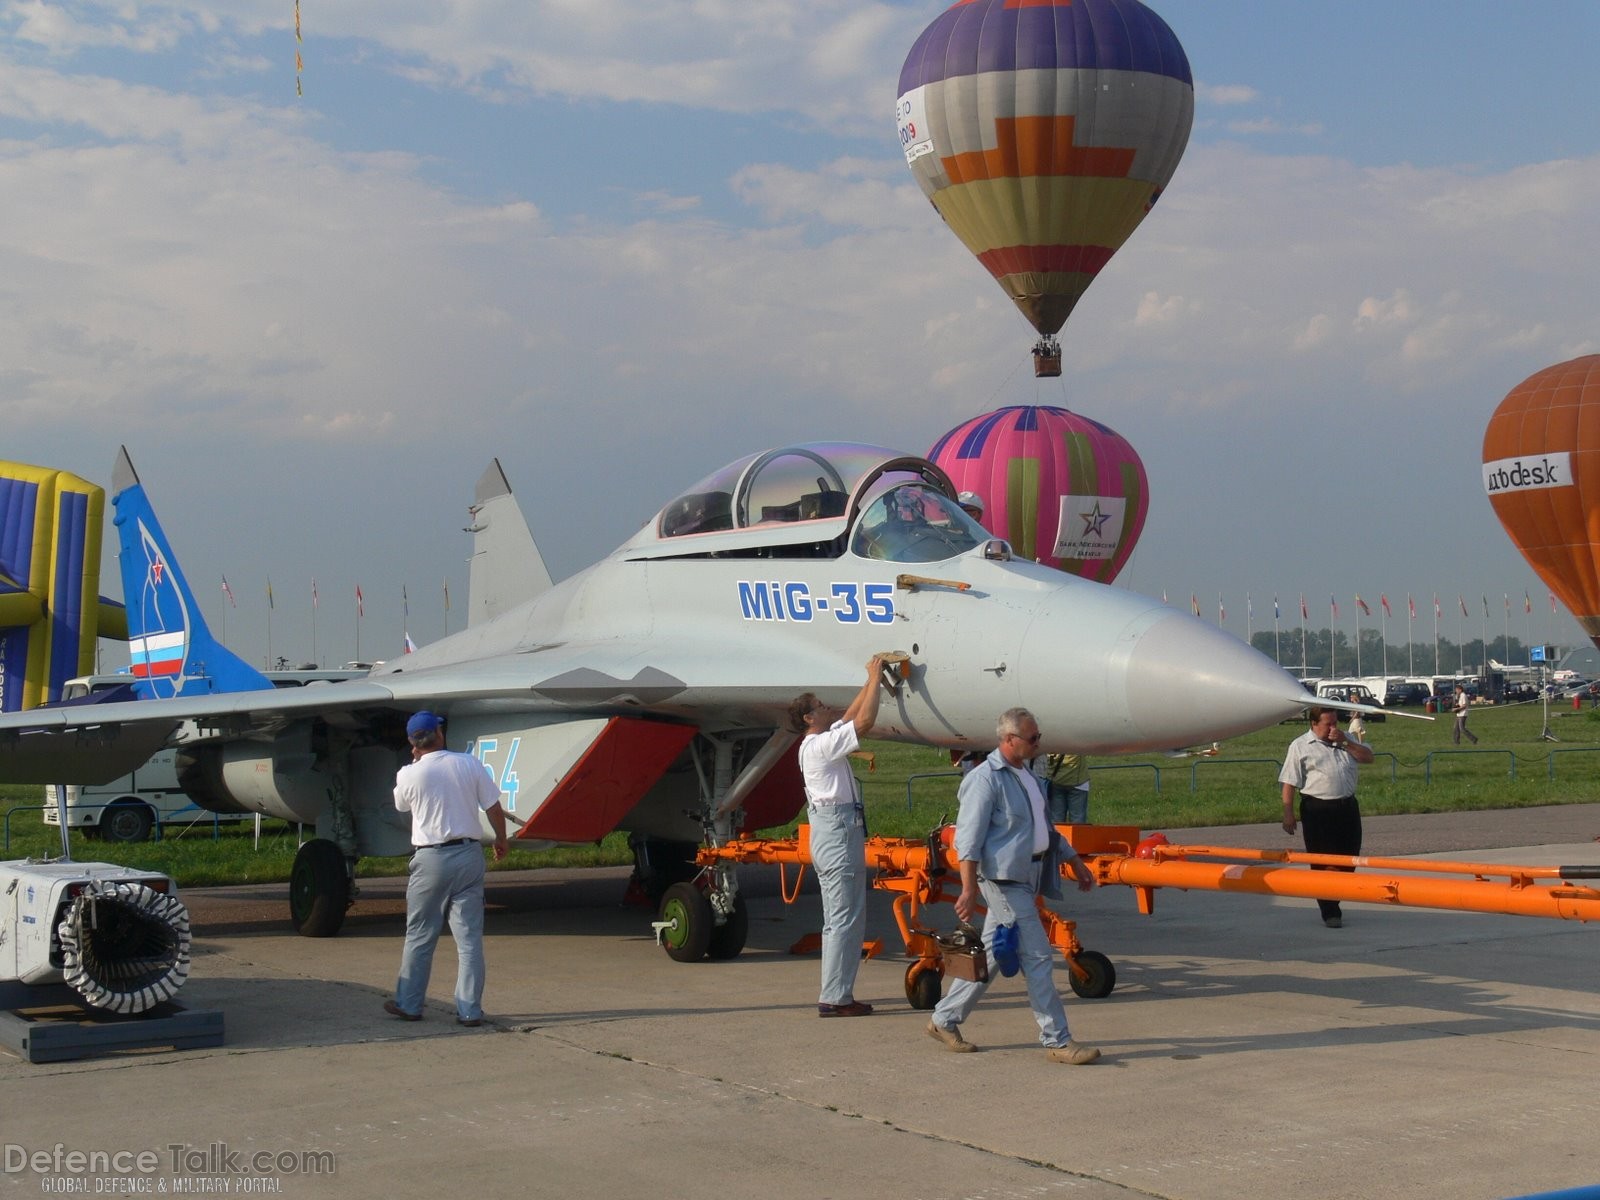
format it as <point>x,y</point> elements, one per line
<point>1008,853</point>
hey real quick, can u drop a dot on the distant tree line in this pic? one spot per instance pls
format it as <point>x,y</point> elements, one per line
<point>1338,659</point>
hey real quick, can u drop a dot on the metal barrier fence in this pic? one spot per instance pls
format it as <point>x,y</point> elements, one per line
<point>158,823</point>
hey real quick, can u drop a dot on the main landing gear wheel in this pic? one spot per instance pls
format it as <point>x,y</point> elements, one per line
<point>687,920</point>
<point>319,889</point>
<point>923,985</point>
<point>1102,976</point>
<point>727,939</point>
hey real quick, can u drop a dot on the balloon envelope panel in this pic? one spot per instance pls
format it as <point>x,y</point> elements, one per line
<point>1043,132</point>
<point>1541,469</point>
<point>1061,488</point>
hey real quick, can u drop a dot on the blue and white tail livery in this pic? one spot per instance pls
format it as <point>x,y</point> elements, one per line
<point>171,649</point>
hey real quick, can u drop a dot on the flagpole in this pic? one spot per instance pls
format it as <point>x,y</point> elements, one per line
<point>1333,652</point>
<point>1358,636</point>
<point>1411,622</point>
<point>269,623</point>
<point>1277,646</point>
<point>315,658</point>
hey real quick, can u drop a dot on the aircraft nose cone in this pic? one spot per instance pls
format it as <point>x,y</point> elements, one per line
<point>1114,672</point>
<point>1189,682</point>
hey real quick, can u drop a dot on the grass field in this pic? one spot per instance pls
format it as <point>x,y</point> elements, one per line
<point>911,789</point>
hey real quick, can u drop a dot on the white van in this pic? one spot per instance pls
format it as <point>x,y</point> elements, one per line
<point>126,809</point>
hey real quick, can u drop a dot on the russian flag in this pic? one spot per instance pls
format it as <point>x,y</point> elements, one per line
<point>158,654</point>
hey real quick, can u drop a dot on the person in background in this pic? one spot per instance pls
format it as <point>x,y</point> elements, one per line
<point>1462,704</point>
<point>1322,766</point>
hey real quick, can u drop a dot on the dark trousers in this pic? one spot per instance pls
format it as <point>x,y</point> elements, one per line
<point>1330,827</point>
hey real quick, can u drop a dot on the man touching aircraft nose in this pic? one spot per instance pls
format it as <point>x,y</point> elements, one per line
<point>838,833</point>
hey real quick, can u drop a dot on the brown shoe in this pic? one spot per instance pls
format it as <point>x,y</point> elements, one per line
<point>853,1008</point>
<point>950,1039</point>
<point>1074,1054</point>
<point>394,1010</point>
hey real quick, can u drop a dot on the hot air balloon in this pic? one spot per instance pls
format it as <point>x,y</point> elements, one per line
<point>1059,487</point>
<point>1541,468</point>
<point>1043,131</point>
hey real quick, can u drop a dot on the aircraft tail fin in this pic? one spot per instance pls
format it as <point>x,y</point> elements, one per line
<point>507,568</point>
<point>172,650</point>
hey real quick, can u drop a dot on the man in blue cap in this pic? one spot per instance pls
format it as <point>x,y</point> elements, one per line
<point>444,791</point>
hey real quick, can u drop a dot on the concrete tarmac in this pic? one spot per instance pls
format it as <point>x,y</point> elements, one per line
<point>1249,1052</point>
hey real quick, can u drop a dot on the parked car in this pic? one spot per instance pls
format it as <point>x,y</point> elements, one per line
<point>1402,695</point>
<point>1355,693</point>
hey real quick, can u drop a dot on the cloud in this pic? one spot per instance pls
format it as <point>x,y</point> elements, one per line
<point>1225,94</point>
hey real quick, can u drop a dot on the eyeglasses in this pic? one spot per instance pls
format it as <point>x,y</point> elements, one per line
<point>1032,741</point>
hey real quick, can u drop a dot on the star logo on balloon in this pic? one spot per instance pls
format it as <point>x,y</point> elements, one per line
<point>1094,521</point>
<point>155,572</point>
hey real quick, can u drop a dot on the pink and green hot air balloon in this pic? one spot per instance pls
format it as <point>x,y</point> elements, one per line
<point>1059,487</point>
<point>1043,131</point>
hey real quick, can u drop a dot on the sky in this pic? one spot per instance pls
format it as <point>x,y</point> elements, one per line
<point>618,245</point>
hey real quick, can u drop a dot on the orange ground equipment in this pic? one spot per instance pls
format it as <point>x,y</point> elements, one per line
<point>920,873</point>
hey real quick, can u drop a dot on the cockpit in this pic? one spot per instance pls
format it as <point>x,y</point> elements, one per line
<point>819,500</point>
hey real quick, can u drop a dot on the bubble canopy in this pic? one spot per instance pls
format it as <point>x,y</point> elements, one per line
<point>810,495</point>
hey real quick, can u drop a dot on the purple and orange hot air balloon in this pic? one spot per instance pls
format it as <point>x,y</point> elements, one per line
<point>1061,488</point>
<point>1043,131</point>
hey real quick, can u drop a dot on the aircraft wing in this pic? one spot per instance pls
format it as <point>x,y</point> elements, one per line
<point>692,683</point>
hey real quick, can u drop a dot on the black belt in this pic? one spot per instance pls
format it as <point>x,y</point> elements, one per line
<point>451,842</point>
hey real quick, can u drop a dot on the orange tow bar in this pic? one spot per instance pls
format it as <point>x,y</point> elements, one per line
<point>920,873</point>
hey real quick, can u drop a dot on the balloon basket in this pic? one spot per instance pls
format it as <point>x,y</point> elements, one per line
<point>1047,359</point>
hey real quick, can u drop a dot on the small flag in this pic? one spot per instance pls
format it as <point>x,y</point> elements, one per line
<point>1194,604</point>
<point>1303,614</point>
<point>405,604</point>
<point>228,592</point>
<point>313,593</point>
<point>447,595</point>
<point>1275,613</point>
<point>1461,601</point>
<point>411,647</point>
<point>1552,602</point>
<point>1163,595</point>
<point>1437,611</point>
<point>1506,596</point>
<point>1527,602</point>
<point>361,609</point>
<point>1362,605</point>
<point>1334,604</point>
<point>1485,605</point>
<point>269,594</point>
<point>1384,600</point>
<point>1222,613</point>
<point>1411,606</point>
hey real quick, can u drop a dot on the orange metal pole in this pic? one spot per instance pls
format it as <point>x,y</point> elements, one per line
<point>1371,881</point>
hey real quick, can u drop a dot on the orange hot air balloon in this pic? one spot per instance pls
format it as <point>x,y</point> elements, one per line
<point>1541,468</point>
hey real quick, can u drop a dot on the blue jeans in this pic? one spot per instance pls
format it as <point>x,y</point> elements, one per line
<point>1068,805</point>
<point>1008,902</point>
<point>441,882</point>
<point>838,852</point>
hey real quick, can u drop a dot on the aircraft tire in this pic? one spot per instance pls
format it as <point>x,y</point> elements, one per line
<point>727,940</point>
<point>687,914</point>
<point>319,889</point>
<point>1102,976</point>
<point>924,985</point>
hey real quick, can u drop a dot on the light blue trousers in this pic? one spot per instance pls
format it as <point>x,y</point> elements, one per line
<point>1010,902</point>
<point>838,852</point>
<point>444,882</point>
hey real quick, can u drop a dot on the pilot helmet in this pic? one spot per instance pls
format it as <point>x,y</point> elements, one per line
<point>971,502</point>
